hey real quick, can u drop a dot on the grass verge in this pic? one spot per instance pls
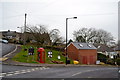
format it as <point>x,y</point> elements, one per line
<point>23,56</point>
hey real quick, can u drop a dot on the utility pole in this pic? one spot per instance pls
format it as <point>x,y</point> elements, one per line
<point>25,30</point>
<point>66,39</point>
<point>67,36</point>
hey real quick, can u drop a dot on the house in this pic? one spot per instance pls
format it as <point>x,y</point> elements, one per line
<point>103,49</point>
<point>117,49</point>
<point>85,53</point>
<point>10,35</point>
<point>16,37</point>
<point>106,50</point>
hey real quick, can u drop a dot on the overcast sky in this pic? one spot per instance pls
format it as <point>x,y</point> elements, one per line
<point>99,14</point>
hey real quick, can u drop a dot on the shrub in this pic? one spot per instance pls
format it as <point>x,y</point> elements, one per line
<point>118,61</point>
<point>102,57</point>
<point>110,61</point>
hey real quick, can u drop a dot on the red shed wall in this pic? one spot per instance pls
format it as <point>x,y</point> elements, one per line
<point>87,56</point>
<point>84,56</point>
<point>72,52</point>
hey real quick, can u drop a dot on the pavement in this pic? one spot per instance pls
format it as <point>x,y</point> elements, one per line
<point>8,60</point>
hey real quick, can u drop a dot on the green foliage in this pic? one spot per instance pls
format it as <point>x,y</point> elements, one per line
<point>102,57</point>
<point>23,55</point>
<point>21,42</point>
<point>28,40</point>
<point>110,61</point>
<point>118,61</point>
<point>54,56</point>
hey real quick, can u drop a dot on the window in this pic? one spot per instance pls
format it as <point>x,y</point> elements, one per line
<point>89,45</point>
<point>80,45</point>
<point>98,46</point>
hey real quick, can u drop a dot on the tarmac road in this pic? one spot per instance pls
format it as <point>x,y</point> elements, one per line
<point>6,48</point>
<point>63,72</point>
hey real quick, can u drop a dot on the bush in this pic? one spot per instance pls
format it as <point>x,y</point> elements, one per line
<point>20,42</point>
<point>118,61</point>
<point>110,61</point>
<point>54,48</point>
<point>102,57</point>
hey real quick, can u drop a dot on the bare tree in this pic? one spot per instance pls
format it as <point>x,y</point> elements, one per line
<point>55,36</point>
<point>103,37</point>
<point>39,33</point>
<point>92,35</point>
<point>84,34</point>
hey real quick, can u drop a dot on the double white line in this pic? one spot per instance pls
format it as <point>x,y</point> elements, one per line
<point>22,71</point>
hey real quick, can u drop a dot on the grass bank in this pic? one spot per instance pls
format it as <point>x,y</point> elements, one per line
<point>23,56</point>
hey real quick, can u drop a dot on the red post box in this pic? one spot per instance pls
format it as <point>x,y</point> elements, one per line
<point>41,55</point>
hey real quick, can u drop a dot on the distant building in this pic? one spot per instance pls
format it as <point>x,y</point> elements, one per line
<point>85,53</point>
<point>104,49</point>
<point>117,49</point>
<point>16,37</point>
<point>10,35</point>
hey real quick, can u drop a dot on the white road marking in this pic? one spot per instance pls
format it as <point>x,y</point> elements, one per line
<point>36,68</point>
<point>21,71</point>
<point>5,56</point>
<point>41,68</point>
<point>9,74</point>
<point>89,77</point>
<point>17,71</point>
<point>3,59</point>
<point>44,68</point>
<point>10,52</point>
<point>2,74</point>
<point>33,69</point>
<point>90,71</point>
<point>76,73</point>
<point>28,71</point>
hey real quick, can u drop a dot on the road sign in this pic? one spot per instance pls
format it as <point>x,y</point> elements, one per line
<point>50,54</point>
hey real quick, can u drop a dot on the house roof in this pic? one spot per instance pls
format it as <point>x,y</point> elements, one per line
<point>117,48</point>
<point>103,48</point>
<point>80,45</point>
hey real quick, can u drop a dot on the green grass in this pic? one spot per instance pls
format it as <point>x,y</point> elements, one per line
<point>23,56</point>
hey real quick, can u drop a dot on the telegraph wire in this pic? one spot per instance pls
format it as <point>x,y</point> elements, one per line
<point>12,16</point>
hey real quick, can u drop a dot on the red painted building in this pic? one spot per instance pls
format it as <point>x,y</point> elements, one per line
<point>85,53</point>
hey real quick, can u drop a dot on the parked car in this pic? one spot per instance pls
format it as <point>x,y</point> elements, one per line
<point>4,41</point>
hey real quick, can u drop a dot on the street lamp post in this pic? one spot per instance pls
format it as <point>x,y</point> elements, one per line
<point>24,42</point>
<point>67,33</point>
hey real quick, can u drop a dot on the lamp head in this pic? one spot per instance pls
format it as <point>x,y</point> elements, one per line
<point>75,17</point>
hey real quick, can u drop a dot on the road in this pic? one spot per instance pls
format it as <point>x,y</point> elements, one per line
<point>10,71</point>
<point>6,48</point>
<point>59,72</point>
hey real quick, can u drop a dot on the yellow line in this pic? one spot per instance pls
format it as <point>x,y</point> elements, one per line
<point>3,59</point>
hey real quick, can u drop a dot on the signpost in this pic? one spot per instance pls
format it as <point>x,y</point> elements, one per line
<point>50,54</point>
